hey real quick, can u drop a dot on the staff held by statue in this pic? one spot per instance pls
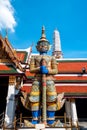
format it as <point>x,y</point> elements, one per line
<point>44,71</point>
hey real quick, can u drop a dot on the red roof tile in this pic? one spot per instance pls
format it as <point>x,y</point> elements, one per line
<point>71,67</point>
<point>71,89</point>
<point>22,55</point>
<point>26,89</point>
<point>61,88</point>
<point>4,67</point>
<point>7,69</point>
<point>27,73</point>
<point>78,78</point>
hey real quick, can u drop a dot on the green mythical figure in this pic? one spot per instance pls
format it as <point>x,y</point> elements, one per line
<point>43,92</point>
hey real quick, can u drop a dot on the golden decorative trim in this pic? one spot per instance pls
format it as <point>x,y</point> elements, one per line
<point>35,93</point>
<point>35,104</point>
<point>51,93</point>
<point>72,99</point>
<point>12,80</point>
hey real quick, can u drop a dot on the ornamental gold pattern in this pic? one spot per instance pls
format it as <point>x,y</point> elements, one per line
<point>12,80</point>
<point>36,90</point>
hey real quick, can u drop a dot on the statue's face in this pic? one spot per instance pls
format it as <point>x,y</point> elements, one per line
<point>43,47</point>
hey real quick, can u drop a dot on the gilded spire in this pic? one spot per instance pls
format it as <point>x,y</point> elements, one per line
<point>43,32</point>
<point>43,36</point>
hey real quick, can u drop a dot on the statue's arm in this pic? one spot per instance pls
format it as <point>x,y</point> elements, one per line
<point>54,67</point>
<point>33,68</point>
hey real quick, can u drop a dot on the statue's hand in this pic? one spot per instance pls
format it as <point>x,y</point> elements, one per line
<point>43,70</point>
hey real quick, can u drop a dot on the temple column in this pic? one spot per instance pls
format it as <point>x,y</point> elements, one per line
<point>10,106</point>
<point>68,110</point>
<point>74,113</point>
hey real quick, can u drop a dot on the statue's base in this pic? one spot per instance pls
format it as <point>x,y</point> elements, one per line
<point>40,126</point>
<point>43,125</point>
<point>43,129</point>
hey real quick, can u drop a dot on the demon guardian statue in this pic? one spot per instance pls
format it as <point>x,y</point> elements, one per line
<point>43,96</point>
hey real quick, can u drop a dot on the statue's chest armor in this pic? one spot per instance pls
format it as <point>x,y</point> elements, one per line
<point>39,58</point>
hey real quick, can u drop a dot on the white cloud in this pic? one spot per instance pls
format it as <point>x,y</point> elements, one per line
<point>7,19</point>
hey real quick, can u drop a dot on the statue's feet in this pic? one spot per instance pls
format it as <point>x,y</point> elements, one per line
<point>28,123</point>
<point>56,124</point>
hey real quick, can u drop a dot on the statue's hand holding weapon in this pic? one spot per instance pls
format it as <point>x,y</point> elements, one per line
<point>43,67</point>
<point>43,70</point>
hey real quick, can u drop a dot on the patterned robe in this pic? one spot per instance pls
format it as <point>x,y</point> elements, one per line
<point>35,97</point>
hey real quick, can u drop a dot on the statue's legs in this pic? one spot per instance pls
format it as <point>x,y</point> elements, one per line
<point>35,102</point>
<point>50,117</point>
<point>35,115</point>
<point>51,102</point>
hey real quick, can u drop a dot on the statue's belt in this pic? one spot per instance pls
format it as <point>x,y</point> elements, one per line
<point>38,93</point>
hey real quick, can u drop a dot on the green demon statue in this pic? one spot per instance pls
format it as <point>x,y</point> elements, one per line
<point>43,95</point>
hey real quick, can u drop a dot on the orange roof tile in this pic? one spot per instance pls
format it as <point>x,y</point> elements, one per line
<point>22,55</point>
<point>27,73</point>
<point>26,89</point>
<point>7,69</point>
<point>71,78</point>
<point>71,89</point>
<point>61,88</point>
<point>71,67</point>
<point>4,67</point>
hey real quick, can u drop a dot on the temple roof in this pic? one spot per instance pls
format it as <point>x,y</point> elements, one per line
<point>8,50</point>
<point>72,66</point>
<point>8,69</point>
<point>22,56</point>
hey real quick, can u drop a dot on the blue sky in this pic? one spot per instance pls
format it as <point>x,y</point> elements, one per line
<point>68,16</point>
